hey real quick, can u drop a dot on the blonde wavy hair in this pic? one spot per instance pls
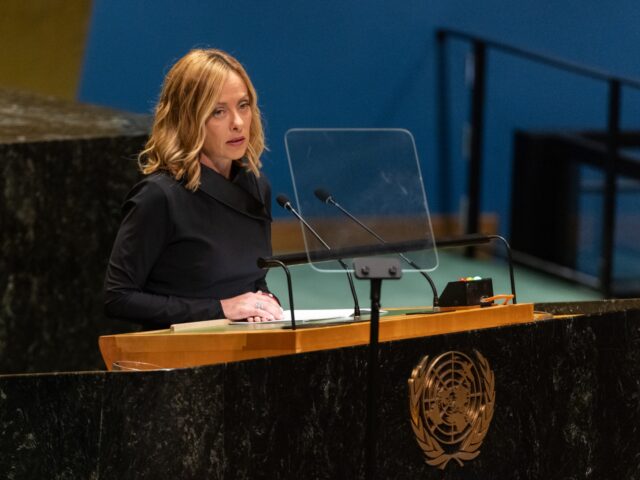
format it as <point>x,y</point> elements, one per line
<point>189,95</point>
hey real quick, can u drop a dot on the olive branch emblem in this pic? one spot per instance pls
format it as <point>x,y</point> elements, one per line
<point>451,404</point>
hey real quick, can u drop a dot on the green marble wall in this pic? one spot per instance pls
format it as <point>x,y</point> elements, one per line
<point>64,170</point>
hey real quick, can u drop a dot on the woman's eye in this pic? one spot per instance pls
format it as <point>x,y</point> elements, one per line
<point>218,113</point>
<point>244,106</point>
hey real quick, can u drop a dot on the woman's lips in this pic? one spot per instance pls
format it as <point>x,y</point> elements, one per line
<point>236,142</point>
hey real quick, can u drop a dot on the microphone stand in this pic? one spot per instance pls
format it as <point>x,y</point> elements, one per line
<point>284,203</point>
<point>273,262</point>
<point>328,199</point>
<point>374,269</point>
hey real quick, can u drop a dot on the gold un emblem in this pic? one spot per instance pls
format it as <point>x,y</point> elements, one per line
<point>451,404</point>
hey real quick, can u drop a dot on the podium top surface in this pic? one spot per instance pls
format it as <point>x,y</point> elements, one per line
<point>28,117</point>
<point>224,343</point>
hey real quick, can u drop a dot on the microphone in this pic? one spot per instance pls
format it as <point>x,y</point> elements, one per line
<point>325,197</point>
<point>284,202</point>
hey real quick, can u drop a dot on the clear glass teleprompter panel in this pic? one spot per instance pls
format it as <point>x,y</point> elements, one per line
<point>374,175</point>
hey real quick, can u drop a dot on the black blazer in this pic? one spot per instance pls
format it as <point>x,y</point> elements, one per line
<point>179,252</point>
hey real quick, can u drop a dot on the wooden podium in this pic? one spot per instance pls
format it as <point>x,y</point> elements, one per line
<point>566,387</point>
<point>229,343</point>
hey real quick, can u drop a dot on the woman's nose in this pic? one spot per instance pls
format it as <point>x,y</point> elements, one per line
<point>236,121</point>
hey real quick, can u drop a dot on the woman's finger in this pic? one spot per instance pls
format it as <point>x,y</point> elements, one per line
<point>267,310</point>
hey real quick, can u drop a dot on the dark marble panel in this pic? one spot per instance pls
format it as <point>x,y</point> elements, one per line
<point>403,457</point>
<point>50,426</point>
<point>163,424</point>
<point>589,307</point>
<point>64,170</point>
<point>296,417</point>
<point>564,408</point>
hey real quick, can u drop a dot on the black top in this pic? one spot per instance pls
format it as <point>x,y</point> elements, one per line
<point>179,252</point>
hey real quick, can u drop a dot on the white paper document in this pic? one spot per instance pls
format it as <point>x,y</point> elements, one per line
<point>316,314</point>
<point>305,315</point>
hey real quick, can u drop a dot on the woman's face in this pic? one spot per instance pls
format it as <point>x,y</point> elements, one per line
<point>227,129</point>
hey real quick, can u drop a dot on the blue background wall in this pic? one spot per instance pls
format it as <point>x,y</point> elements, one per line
<point>372,64</point>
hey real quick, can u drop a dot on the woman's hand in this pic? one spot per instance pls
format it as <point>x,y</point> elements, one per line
<point>255,307</point>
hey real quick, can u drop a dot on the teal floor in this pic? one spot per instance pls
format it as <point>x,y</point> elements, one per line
<point>313,289</point>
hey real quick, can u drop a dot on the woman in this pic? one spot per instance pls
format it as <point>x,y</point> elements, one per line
<point>194,227</point>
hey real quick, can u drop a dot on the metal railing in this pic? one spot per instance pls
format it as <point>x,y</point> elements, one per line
<point>481,48</point>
